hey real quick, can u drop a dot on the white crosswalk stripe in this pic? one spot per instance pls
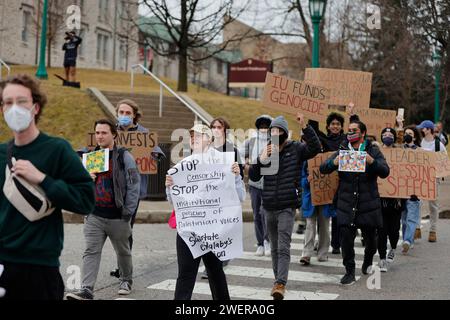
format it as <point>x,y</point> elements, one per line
<point>242,292</point>
<point>299,246</point>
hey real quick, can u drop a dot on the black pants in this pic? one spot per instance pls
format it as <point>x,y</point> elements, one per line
<point>188,269</point>
<point>335,241</point>
<point>348,234</point>
<point>31,282</point>
<point>391,229</point>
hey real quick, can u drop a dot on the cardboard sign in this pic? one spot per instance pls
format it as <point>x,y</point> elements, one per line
<point>412,172</point>
<point>323,186</point>
<point>345,85</point>
<point>442,164</point>
<point>292,96</point>
<point>207,207</point>
<point>376,120</point>
<point>140,144</point>
<point>352,161</point>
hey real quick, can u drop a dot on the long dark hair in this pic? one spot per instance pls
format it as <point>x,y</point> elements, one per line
<point>417,134</point>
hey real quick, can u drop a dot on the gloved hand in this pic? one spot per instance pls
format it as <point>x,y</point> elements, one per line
<point>2,291</point>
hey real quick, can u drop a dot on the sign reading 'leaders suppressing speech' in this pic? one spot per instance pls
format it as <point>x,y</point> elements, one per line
<point>207,208</point>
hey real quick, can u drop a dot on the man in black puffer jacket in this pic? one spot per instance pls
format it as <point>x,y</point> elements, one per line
<point>357,200</point>
<point>280,163</point>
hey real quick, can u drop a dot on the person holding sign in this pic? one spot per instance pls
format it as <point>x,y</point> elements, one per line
<point>411,211</point>
<point>32,236</point>
<point>200,240</point>
<point>116,198</point>
<point>433,144</point>
<point>280,163</point>
<point>357,200</point>
<point>391,210</point>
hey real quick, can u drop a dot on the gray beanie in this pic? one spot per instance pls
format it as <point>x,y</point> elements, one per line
<point>280,122</point>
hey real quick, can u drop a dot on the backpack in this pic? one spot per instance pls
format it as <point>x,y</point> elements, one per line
<point>437,144</point>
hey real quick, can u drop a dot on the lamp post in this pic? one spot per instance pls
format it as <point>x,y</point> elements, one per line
<point>41,72</point>
<point>437,79</point>
<point>316,10</point>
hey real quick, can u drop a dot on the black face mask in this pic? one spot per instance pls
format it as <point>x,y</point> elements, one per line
<point>407,138</point>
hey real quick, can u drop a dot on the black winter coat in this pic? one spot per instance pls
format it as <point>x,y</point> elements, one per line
<point>281,189</point>
<point>357,200</point>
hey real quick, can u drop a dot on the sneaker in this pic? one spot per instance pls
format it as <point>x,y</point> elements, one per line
<point>383,265</point>
<point>406,245</point>
<point>267,251</point>
<point>417,234</point>
<point>391,256</point>
<point>305,261</point>
<point>259,251</point>
<point>432,236</point>
<point>366,268</point>
<point>125,288</point>
<point>204,274</point>
<point>115,273</point>
<point>323,259</point>
<point>83,294</point>
<point>301,229</point>
<point>336,251</point>
<point>278,291</point>
<point>348,279</point>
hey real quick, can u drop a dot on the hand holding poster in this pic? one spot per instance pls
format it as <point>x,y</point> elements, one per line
<point>412,172</point>
<point>96,161</point>
<point>352,161</point>
<point>207,207</point>
<point>323,186</point>
<point>292,96</point>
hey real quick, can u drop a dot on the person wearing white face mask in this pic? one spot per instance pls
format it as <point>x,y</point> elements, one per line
<point>30,249</point>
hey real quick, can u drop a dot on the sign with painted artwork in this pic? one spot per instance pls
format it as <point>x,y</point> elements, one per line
<point>352,161</point>
<point>96,161</point>
<point>412,172</point>
<point>345,85</point>
<point>207,208</point>
<point>139,144</point>
<point>292,96</point>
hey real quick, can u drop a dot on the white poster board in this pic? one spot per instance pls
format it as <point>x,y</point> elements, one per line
<point>207,207</point>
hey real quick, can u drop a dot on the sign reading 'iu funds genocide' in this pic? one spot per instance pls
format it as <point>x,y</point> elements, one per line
<point>207,208</point>
<point>323,186</point>
<point>345,85</point>
<point>292,96</point>
<point>412,172</point>
<point>140,144</point>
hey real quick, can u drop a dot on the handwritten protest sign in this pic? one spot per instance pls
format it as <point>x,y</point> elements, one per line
<point>323,186</point>
<point>442,164</point>
<point>376,119</point>
<point>207,207</point>
<point>292,96</point>
<point>412,172</point>
<point>140,144</point>
<point>352,161</point>
<point>345,85</point>
<point>96,161</point>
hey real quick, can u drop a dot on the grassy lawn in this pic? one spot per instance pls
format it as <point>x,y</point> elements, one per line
<point>70,112</point>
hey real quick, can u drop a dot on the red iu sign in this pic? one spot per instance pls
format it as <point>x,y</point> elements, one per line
<point>249,73</point>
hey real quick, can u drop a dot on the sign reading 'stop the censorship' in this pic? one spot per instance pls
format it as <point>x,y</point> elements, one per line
<point>323,186</point>
<point>412,172</point>
<point>140,144</point>
<point>345,85</point>
<point>292,96</point>
<point>207,208</point>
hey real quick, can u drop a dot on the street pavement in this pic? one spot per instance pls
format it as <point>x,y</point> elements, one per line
<point>422,274</point>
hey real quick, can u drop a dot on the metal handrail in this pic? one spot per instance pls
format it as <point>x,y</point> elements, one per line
<point>3,63</point>
<point>161,86</point>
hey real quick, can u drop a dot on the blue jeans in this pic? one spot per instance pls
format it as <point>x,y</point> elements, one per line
<point>410,219</point>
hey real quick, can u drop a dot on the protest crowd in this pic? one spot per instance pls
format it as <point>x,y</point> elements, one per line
<point>377,181</point>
